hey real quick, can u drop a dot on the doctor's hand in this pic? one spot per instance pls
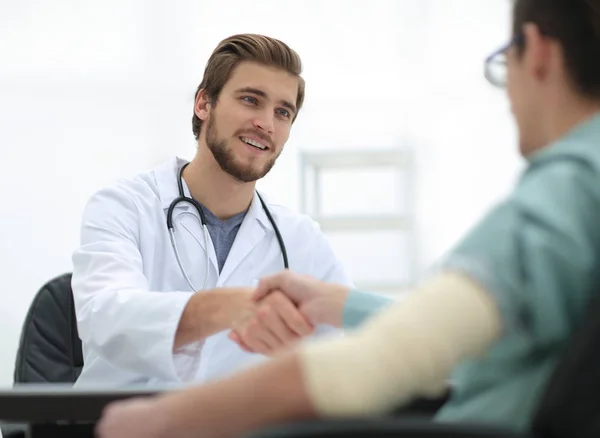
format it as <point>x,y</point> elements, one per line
<point>320,302</point>
<point>275,324</point>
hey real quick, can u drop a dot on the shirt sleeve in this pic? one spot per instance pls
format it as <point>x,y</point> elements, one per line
<point>360,306</point>
<point>118,316</point>
<point>537,252</point>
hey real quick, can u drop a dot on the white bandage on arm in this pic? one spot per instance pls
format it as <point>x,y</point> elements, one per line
<point>407,351</point>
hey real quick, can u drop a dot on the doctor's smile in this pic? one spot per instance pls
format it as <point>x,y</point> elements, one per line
<point>255,143</point>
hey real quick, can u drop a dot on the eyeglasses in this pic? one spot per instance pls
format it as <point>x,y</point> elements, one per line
<point>495,66</point>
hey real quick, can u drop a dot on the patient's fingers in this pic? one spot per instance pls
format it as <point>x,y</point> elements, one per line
<point>280,305</point>
<point>268,284</point>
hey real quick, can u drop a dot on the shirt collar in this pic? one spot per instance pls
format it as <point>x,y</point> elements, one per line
<point>580,140</point>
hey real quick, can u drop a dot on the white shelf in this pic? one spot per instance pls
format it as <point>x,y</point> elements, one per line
<point>363,223</point>
<point>357,158</point>
<point>364,238</point>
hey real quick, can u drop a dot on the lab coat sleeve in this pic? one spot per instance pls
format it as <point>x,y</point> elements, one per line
<point>118,316</point>
<point>326,265</point>
<point>537,252</point>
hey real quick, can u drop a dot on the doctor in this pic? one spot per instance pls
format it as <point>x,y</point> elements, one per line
<point>156,293</point>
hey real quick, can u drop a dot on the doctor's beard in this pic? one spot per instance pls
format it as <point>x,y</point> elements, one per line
<point>225,157</point>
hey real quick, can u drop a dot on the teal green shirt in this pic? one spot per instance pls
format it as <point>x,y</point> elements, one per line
<point>538,253</point>
<point>360,306</point>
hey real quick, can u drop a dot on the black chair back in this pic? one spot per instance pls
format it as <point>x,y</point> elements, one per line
<point>570,404</point>
<point>49,348</point>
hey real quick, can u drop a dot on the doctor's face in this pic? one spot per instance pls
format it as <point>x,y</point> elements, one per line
<point>251,121</point>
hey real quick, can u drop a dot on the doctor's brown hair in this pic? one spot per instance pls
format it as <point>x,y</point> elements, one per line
<point>246,47</point>
<point>575,24</point>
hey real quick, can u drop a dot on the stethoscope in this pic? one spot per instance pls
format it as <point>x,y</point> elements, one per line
<point>198,207</point>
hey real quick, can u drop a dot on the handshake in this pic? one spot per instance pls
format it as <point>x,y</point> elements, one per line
<point>285,308</point>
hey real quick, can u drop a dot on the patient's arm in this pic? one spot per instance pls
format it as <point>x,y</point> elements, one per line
<point>406,351</point>
<point>260,396</point>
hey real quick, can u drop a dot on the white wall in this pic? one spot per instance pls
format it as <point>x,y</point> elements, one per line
<point>469,158</point>
<point>77,109</point>
<point>90,91</point>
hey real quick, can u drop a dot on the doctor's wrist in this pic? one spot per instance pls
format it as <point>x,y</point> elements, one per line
<point>209,312</point>
<point>234,304</point>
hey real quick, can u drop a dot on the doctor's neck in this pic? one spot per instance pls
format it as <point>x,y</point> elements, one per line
<point>214,188</point>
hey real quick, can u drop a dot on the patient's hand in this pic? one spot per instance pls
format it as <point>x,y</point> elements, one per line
<point>274,325</point>
<point>135,418</point>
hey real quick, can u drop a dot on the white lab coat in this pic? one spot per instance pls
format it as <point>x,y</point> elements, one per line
<point>130,293</point>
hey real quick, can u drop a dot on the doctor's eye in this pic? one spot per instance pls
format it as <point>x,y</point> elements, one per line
<point>283,113</point>
<point>250,99</point>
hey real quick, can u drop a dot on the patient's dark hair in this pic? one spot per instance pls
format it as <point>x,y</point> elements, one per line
<point>575,24</point>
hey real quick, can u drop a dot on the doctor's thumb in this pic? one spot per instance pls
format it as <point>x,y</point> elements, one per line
<point>263,289</point>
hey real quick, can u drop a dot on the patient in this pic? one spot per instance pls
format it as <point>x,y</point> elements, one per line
<point>498,314</point>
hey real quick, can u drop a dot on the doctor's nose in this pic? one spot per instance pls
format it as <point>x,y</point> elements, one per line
<point>265,121</point>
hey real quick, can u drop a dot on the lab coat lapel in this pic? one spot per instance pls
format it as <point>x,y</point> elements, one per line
<point>253,229</point>
<point>188,224</point>
<point>191,225</point>
<point>189,234</point>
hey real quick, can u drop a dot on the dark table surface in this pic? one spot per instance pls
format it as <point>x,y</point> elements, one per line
<point>33,403</point>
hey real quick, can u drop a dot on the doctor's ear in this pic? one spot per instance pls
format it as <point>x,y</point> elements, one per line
<point>202,105</point>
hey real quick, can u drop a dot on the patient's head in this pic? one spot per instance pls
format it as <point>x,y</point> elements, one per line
<point>552,69</point>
